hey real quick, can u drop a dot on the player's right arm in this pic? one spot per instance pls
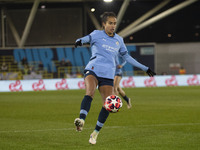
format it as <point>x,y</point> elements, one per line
<point>85,39</point>
<point>81,41</point>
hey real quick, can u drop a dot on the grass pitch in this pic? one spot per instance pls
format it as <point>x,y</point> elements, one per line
<point>166,118</point>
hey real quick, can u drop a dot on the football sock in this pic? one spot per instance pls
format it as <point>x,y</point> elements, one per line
<point>125,98</point>
<point>85,106</point>
<point>103,115</point>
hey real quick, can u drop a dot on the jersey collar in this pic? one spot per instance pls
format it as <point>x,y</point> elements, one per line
<point>108,35</point>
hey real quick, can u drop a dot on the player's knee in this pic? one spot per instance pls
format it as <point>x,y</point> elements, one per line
<point>118,89</point>
<point>115,91</point>
<point>90,93</point>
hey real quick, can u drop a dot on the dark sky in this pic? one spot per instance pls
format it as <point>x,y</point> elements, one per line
<point>181,26</point>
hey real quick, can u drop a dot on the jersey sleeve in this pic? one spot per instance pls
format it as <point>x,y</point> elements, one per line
<point>123,50</point>
<point>85,39</point>
<point>88,38</point>
<point>134,62</point>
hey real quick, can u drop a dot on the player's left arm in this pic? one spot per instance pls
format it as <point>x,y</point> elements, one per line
<point>135,63</point>
<point>124,54</point>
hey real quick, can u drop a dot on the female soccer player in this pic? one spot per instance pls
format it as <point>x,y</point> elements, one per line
<point>100,71</point>
<point>117,88</point>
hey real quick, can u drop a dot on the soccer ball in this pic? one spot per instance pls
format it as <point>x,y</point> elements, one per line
<point>113,103</point>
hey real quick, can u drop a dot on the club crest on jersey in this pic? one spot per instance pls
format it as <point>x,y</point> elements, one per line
<point>117,43</point>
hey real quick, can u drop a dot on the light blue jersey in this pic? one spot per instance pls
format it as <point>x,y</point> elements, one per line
<point>119,70</point>
<point>105,49</point>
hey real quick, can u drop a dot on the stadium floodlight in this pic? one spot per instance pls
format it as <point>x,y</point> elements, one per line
<point>107,1</point>
<point>92,9</point>
<point>43,6</point>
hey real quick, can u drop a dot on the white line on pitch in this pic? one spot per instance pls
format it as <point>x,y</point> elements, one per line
<point>61,129</point>
<point>106,127</point>
<point>172,124</point>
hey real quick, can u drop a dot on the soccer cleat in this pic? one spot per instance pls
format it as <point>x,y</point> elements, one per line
<point>93,137</point>
<point>129,104</point>
<point>79,123</point>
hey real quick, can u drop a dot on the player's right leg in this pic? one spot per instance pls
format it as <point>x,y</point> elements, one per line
<point>79,123</point>
<point>90,85</point>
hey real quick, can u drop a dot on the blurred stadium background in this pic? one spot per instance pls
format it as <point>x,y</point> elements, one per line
<point>161,34</point>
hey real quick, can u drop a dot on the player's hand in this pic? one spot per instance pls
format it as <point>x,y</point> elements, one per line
<point>150,72</point>
<point>78,43</point>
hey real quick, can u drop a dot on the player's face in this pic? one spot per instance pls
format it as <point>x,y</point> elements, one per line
<point>110,25</point>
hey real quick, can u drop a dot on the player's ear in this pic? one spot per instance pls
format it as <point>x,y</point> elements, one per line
<point>103,25</point>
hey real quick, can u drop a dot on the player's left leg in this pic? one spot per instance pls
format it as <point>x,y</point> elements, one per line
<point>105,91</point>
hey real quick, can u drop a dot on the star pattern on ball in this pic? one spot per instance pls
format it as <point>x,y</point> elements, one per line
<point>113,103</point>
